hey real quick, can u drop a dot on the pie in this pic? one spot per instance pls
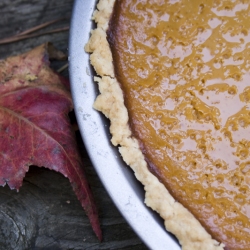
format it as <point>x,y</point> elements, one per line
<point>174,78</point>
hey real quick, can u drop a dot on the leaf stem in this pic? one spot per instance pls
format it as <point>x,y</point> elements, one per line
<point>65,66</point>
<point>38,27</point>
<point>26,34</point>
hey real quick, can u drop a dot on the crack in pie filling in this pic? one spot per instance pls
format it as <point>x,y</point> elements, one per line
<point>175,83</point>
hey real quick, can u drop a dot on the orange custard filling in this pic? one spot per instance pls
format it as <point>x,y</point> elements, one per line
<point>184,68</point>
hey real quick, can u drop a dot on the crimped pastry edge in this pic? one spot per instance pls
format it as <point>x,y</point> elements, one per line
<point>177,219</point>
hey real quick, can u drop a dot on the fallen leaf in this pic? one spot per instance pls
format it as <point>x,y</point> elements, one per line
<point>35,128</point>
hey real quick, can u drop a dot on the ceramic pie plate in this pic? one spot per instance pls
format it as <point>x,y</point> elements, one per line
<point>118,179</point>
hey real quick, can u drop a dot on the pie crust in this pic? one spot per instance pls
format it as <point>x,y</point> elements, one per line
<point>177,219</point>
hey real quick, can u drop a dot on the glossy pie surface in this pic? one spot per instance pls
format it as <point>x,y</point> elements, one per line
<point>184,68</point>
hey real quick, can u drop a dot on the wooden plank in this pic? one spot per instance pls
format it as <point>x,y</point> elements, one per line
<point>45,213</point>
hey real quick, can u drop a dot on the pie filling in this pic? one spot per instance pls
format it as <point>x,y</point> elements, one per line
<point>184,68</point>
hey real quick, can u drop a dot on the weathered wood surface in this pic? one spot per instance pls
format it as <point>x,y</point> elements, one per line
<point>45,213</point>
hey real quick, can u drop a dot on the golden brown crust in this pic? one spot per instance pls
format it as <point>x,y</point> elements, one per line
<point>110,102</point>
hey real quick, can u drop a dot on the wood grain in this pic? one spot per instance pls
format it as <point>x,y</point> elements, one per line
<point>45,213</point>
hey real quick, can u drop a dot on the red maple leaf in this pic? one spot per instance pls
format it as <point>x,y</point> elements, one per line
<point>35,128</point>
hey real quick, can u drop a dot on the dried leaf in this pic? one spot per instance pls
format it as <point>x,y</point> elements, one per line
<point>35,128</point>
